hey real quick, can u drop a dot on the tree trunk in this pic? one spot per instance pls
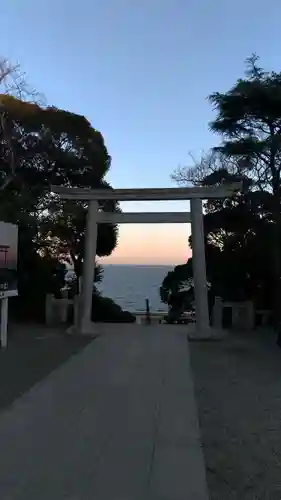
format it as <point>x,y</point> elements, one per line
<point>276,268</point>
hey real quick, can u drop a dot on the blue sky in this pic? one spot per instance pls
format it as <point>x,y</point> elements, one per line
<point>140,70</point>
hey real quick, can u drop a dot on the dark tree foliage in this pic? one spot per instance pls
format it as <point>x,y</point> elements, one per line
<point>248,117</point>
<point>50,146</point>
<point>243,234</point>
<point>238,235</point>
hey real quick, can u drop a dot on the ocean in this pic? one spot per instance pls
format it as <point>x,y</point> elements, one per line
<point>130,285</point>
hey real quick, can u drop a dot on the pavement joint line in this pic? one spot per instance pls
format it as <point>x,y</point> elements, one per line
<point>155,433</point>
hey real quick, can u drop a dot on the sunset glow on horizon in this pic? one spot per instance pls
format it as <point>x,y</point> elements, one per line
<point>151,244</point>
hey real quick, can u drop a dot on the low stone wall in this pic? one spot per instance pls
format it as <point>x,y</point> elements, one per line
<point>155,318</point>
<point>243,314</point>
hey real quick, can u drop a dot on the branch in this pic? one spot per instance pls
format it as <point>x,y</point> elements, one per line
<point>6,69</point>
<point>209,163</point>
<point>11,154</point>
<point>12,82</point>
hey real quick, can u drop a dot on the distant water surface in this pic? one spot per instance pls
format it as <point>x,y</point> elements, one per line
<point>130,285</point>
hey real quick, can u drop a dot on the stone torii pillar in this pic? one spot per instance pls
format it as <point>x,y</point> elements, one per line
<point>199,266</point>
<point>95,217</point>
<point>90,250</point>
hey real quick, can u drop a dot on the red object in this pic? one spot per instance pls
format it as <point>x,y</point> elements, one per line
<point>4,249</point>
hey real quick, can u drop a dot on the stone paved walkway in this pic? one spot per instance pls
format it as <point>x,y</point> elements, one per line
<point>116,422</point>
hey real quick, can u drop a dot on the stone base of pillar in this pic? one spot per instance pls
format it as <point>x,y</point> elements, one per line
<point>210,333</point>
<point>89,331</point>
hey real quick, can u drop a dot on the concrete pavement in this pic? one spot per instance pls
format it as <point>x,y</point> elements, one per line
<point>116,422</point>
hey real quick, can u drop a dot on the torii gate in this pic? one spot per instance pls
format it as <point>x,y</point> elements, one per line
<point>97,216</point>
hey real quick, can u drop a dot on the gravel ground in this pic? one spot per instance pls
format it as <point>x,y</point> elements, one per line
<point>238,392</point>
<point>32,353</point>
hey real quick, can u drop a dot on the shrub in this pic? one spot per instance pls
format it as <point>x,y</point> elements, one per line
<point>105,310</point>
